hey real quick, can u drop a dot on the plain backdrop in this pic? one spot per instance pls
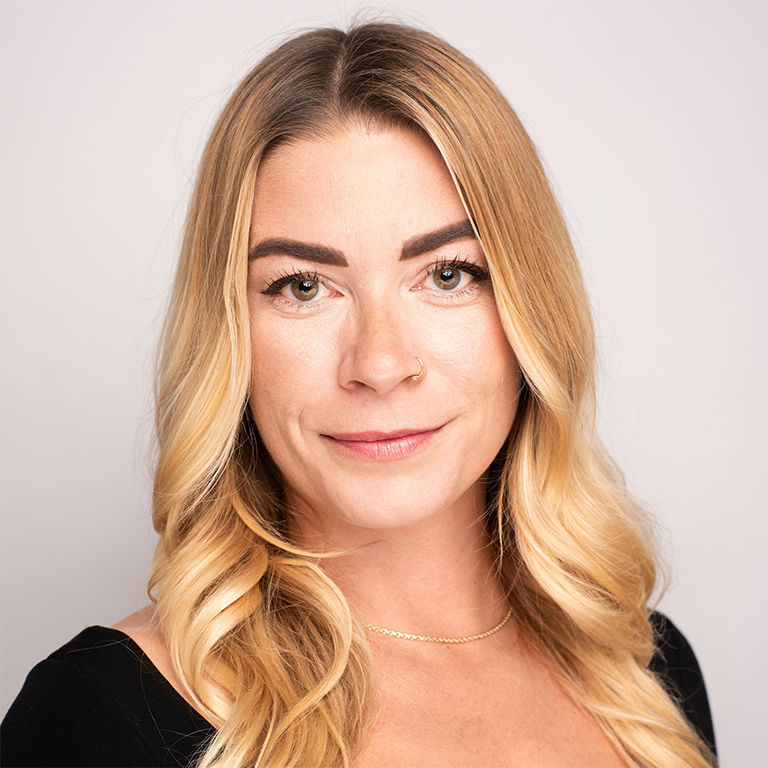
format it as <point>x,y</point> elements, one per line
<point>651,117</point>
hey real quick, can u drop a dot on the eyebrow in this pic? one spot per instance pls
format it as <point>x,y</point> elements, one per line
<point>320,254</point>
<point>422,244</point>
<point>276,246</point>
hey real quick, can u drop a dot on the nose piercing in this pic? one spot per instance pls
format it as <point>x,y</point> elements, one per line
<point>418,375</point>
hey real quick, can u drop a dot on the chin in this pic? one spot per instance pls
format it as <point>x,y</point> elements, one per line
<point>386,507</point>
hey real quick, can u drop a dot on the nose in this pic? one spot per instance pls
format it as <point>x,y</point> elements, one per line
<point>378,350</point>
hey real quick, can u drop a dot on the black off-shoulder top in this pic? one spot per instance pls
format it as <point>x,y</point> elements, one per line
<point>99,701</point>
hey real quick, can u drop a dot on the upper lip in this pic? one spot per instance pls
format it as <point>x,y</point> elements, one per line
<point>372,436</point>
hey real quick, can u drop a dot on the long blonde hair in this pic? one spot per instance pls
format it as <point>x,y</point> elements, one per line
<point>261,638</point>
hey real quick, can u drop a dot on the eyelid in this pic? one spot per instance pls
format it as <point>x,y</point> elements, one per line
<point>479,272</point>
<point>463,264</point>
<point>275,285</point>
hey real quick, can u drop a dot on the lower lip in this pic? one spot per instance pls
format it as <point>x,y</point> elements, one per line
<point>383,450</point>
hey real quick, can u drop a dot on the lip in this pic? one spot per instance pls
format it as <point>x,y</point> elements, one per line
<point>382,446</point>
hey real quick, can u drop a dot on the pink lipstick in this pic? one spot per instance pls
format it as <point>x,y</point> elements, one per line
<point>381,446</point>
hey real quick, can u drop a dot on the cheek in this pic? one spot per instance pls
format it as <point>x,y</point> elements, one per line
<point>289,369</point>
<point>493,375</point>
<point>476,353</point>
<point>502,380</point>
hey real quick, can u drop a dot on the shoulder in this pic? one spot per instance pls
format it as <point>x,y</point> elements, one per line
<point>675,663</point>
<point>98,700</point>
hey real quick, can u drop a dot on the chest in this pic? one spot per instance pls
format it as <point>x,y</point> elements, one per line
<point>508,712</point>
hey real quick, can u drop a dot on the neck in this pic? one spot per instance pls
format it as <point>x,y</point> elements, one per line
<point>436,577</point>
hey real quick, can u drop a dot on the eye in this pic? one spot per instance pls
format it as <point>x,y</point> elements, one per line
<point>304,290</point>
<point>453,277</point>
<point>296,288</point>
<point>447,279</point>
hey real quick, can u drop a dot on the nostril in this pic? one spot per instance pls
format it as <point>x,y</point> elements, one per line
<point>380,369</point>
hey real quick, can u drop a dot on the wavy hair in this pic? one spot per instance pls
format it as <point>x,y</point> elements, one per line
<point>263,641</point>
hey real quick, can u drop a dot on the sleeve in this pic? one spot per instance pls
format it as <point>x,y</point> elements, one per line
<point>61,718</point>
<point>676,665</point>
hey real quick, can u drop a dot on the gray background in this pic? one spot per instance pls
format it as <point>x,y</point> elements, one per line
<point>652,119</point>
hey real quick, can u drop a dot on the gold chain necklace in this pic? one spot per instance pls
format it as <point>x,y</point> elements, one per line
<point>406,636</point>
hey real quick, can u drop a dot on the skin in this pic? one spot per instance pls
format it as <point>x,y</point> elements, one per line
<point>339,363</point>
<point>387,469</point>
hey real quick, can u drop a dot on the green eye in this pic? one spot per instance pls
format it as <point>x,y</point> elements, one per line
<point>304,290</point>
<point>446,279</point>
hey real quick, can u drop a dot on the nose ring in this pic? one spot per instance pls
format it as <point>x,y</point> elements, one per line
<point>418,375</point>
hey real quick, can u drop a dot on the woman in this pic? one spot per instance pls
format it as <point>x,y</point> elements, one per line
<point>388,533</point>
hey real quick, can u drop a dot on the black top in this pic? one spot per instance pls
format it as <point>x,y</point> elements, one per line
<point>99,701</point>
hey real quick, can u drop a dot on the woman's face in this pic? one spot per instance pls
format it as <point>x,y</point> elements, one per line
<point>362,260</point>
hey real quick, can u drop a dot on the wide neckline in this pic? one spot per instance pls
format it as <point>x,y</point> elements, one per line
<point>150,665</point>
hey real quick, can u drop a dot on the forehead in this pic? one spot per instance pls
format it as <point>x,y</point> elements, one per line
<point>355,184</point>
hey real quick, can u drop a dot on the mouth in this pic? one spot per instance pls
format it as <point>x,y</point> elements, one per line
<point>382,446</point>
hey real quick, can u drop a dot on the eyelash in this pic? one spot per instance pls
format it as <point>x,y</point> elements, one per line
<point>287,278</point>
<point>475,270</point>
<point>479,273</point>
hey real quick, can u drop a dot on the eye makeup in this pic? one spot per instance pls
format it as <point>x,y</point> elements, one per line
<point>299,276</point>
<point>479,273</point>
<point>306,283</point>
